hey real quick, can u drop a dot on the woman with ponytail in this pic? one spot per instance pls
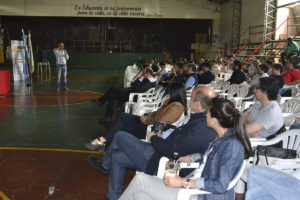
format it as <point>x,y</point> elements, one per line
<point>221,162</point>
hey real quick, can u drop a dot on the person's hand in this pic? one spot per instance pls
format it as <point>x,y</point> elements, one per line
<point>246,116</point>
<point>159,133</point>
<point>149,136</point>
<point>186,159</point>
<point>201,72</point>
<point>170,181</point>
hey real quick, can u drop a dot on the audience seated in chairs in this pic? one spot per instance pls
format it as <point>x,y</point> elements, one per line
<point>121,95</point>
<point>171,110</point>
<point>265,117</point>
<point>269,184</point>
<point>127,151</point>
<point>237,76</point>
<point>206,76</point>
<point>221,162</point>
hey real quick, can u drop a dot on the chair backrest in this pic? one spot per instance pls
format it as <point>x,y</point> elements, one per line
<point>291,106</point>
<point>237,176</point>
<point>290,140</point>
<point>294,91</point>
<point>242,91</point>
<point>232,89</point>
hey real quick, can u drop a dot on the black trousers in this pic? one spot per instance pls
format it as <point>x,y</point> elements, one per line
<point>113,95</point>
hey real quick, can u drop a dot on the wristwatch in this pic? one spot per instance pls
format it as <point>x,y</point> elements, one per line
<point>187,184</point>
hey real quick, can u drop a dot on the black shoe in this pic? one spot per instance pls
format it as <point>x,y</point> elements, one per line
<point>94,147</point>
<point>96,163</point>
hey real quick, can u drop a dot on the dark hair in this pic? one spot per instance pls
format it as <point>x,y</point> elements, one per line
<point>264,67</point>
<point>289,39</point>
<point>269,62</point>
<point>179,64</point>
<point>278,66</point>
<point>193,66</point>
<point>140,62</point>
<point>145,65</point>
<point>291,61</point>
<point>238,64</point>
<point>229,117</point>
<point>162,64</point>
<point>149,71</point>
<point>206,64</point>
<point>270,86</point>
<point>177,93</point>
<point>203,99</point>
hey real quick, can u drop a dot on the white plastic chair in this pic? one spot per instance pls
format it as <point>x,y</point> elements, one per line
<point>232,90</point>
<point>290,140</point>
<point>184,194</point>
<point>290,110</point>
<point>153,95</point>
<point>241,94</point>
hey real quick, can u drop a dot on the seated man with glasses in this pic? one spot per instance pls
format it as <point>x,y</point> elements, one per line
<point>265,117</point>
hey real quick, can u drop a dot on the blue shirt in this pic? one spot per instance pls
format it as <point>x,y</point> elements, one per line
<point>190,82</point>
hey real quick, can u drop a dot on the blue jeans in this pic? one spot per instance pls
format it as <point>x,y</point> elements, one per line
<point>129,123</point>
<point>295,126</point>
<point>61,69</point>
<point>126,151</point>
<point>269,184</point>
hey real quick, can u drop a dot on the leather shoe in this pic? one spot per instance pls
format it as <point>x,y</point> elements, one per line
<point>93,147</point>
<point>96,163</point>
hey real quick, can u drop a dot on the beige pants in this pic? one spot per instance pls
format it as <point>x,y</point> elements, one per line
<point>145,187</point>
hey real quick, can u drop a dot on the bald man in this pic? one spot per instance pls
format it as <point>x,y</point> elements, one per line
<point>126,151</point>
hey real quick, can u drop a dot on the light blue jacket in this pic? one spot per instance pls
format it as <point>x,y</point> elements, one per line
<point>221,166</point>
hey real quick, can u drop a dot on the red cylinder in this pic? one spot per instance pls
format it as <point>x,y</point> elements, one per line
<point>4,81</point>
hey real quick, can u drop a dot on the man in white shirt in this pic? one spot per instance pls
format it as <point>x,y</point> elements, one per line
<point>265,117</point>
<point>61,56</point>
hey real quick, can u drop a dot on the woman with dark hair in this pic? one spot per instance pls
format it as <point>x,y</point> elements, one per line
<point>221,162</point>
<point>171,110</point>
<point>237,76</point>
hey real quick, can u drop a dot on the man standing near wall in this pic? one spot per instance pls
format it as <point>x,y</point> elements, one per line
<point>61,56</point>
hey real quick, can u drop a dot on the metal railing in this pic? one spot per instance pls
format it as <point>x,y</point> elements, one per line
<point>91,46</point>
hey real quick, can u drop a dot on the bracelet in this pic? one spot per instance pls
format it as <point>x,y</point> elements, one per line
<point>187,184</point>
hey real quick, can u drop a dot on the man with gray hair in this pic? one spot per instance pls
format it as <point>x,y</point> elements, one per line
<point>126,151</point>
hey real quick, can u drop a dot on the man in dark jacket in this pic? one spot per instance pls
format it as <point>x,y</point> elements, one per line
<point>126,151</point>
<point>121,95</point>
<point>206,76</point>
<point>237,76</point>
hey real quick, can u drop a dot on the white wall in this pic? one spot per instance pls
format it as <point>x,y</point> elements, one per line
<point>185,9</point>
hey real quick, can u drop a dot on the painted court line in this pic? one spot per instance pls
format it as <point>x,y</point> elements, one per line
<point>49,149</point>
<point>3,196</point>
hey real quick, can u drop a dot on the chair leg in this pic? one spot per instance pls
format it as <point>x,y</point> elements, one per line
<point>240,188</point>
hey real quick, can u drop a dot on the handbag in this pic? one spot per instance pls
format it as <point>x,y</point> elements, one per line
<point>161,126</point>
<point>264,154</point>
